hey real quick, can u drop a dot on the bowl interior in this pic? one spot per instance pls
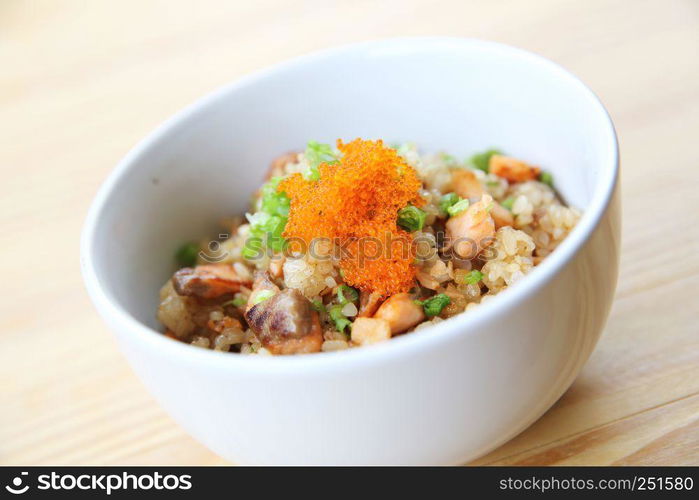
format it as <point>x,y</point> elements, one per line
<point>459,96</point>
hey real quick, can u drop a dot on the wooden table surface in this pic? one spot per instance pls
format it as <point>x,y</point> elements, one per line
<point>82,82</point>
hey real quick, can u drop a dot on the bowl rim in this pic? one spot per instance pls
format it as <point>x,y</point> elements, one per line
<point>403,344</point>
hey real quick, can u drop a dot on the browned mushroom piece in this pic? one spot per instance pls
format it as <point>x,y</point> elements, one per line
<point>286,323</point>
<point>208,281</point>
<point>276,168</point>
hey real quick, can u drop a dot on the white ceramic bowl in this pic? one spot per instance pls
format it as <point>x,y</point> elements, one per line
<point>441,395</point>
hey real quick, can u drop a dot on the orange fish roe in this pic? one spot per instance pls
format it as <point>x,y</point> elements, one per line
<point>355,203</point>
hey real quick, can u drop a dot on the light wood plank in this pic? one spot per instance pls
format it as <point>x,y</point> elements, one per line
<point>667,435</point>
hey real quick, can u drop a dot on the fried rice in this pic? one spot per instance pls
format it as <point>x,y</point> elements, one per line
<point>294,275</point>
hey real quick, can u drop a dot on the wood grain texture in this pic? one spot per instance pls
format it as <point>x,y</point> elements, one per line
<point>82,82</point>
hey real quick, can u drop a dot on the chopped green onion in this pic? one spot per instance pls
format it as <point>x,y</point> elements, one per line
<point>346,294</point>
<point>473,277</point>
<point>186,255</point>
<point>261,296</point>
<point>272,201</point>
<point>447,201</point>
<point>318,305</point>
<point>311,174</point>
<point>434,305</point>
<point>546,178</point>
<point>237,302</point>
<point>411,218</point>
<point>449,159</point>
<point>482,160</point>
<point>253,245</point>
<point>405,148</point>
<point>458,207</point>
<point>317,153</point>
<point>341,321</point>
<point>268,223</point>
<point>508,203</point>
